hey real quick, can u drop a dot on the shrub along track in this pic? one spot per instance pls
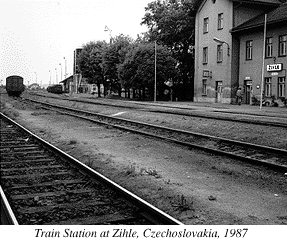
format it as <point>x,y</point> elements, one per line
<point>262,155</point>
<point>47,186</point>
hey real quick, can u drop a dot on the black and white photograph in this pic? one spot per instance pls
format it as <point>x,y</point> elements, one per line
<point>140,120</point>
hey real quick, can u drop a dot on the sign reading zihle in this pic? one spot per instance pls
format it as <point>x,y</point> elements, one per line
<point>274,67</point>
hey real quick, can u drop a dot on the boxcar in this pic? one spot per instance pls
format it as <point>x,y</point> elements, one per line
<point>15,85</point>
<point>56,89</point>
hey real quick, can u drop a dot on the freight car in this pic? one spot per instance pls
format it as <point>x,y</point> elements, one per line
<point>56,89</point>
<point>15,85</point>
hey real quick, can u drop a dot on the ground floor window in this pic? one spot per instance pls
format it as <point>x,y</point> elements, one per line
<point>267,88</point>
<point>204,87</point>
<point>281,86</point>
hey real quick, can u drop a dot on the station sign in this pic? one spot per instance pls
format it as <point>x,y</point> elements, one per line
<point>274,67</point>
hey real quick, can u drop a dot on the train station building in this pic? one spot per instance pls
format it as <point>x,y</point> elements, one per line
<point>229,40</point>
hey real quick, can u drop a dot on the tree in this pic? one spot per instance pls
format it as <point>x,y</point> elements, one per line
<point>91,62</point>
<point>113,56</point>
<point>138,69</point>
<point>171,22</point>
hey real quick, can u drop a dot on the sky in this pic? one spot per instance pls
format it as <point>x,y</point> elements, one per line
<point>38,37</point>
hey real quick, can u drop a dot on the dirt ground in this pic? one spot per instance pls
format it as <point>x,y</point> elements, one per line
<point>193,186</point>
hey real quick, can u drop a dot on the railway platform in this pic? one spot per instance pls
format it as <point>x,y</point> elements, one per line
<point>228,108</point>
<point>244,109</point>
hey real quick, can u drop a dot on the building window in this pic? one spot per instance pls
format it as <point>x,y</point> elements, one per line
<point>281,86</point>
<point>282,45</point>
<point>205,55</point>
<point>267,88</point>
<point>269,42</point>
<point>204,87</point>
<point>249,50</point>
<point>220,21</point>
<point>219,53</point>
<point>205,25</point>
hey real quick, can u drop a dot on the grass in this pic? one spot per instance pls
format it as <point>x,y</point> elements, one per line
<point>89,163</point>
<point>72,142</point>
<point>130,170</point>
<point>8,111</point>
<point>153,172</point>
<point>182,204</point>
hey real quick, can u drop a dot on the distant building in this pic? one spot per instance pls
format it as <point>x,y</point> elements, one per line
<point>82,87</point>
<point>68,84</point>
<point>229,49</point>
<point>34,86</point>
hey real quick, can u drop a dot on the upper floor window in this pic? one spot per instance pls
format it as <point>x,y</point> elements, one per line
<point>205,25</point>
<point>249,50</point>
<point>219,53</point>
<point>205,55</point>
<point>269,51</point>
<point>220,21</point>
<point>282,45</point>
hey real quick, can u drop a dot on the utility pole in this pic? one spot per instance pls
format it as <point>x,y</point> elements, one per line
<point>263,64</point>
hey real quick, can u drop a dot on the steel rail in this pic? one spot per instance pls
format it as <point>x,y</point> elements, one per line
<point>7,214</point>
<point>150,212</point>
<point>270,164</point>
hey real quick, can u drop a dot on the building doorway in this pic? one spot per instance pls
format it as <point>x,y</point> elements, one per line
<point>248,92</point>
<point>218,90</point>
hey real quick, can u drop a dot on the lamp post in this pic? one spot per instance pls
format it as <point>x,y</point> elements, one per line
<point>56,76</point>
<point>218,92</point>
<point>61,71</point>
<point>50,77</point>
<point>110,32</point>
<point>155,71</point>
<point>223,42</point>
<point>65,67</point>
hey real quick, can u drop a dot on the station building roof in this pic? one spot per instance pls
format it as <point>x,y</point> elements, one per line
<point>265,2</point>
<point>277,15</point>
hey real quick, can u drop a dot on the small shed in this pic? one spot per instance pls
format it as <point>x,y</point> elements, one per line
<point>67,83</point>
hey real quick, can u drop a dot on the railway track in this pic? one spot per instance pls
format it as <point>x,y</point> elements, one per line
<point>41,184</point>
<point>262,155</point>
<point>258,119</point>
